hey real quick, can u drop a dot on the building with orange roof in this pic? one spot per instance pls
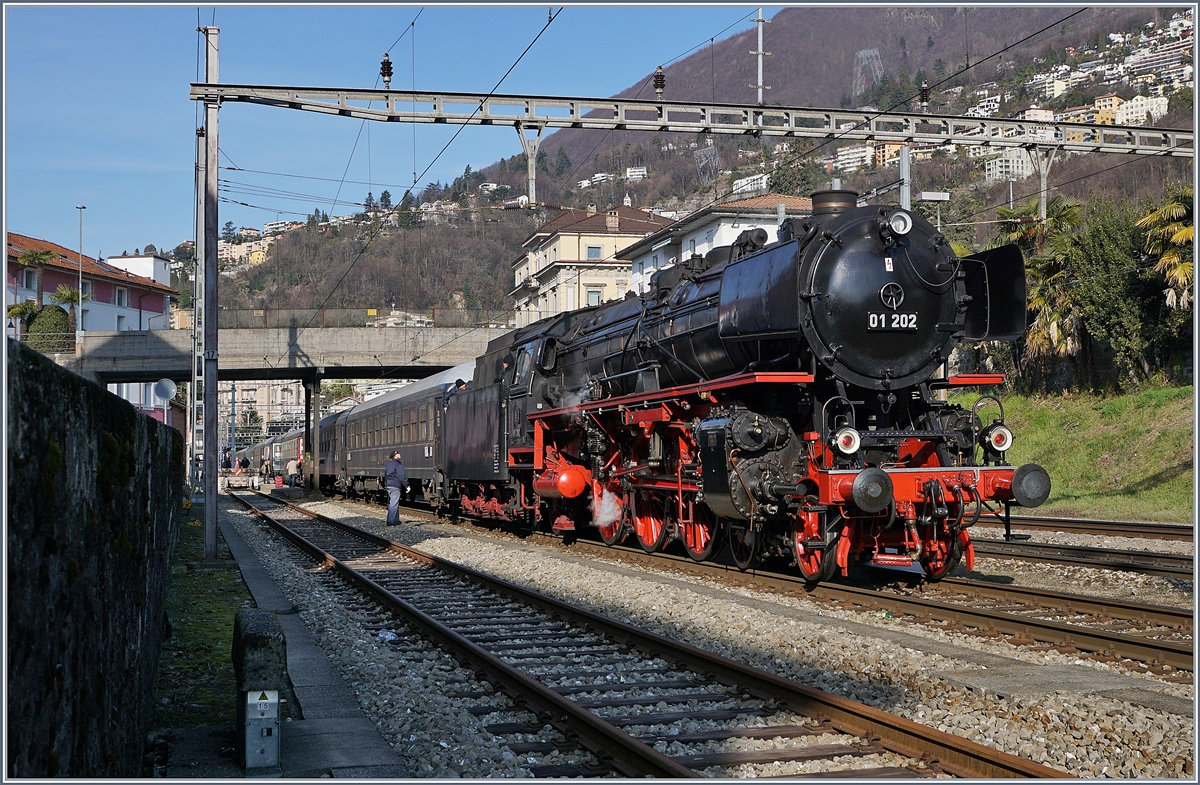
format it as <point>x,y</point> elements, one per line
<point>120,293</point>
<point>711,227</point>
<point>571,260</point>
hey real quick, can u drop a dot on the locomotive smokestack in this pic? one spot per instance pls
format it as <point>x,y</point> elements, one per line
<point>833,202</point>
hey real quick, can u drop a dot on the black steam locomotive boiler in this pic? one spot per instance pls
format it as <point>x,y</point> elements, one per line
<point>784,396</point>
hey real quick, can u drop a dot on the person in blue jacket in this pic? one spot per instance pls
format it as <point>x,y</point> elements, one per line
<point>395,479</point>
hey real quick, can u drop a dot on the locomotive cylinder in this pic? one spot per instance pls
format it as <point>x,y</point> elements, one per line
<point>562,482</point>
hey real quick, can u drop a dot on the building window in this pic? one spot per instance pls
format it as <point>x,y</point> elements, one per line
<point>121,297</point>
<point>654,261</point>
<point>30,279</point>
<point>593,296</point>
<point>593,252</point>
<point>692,244</point>
<point>83,314</point>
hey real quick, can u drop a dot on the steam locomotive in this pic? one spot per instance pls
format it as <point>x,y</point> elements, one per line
<point>783,397</point>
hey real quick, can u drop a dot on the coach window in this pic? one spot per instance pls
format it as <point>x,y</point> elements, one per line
<point>424,423</point>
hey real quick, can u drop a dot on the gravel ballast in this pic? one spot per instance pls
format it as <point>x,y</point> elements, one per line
<point>1076,731</point>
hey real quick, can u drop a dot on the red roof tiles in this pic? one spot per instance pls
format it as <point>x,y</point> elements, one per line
<point>65,258</point>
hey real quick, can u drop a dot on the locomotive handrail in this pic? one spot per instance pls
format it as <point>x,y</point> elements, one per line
<point>736,380</point>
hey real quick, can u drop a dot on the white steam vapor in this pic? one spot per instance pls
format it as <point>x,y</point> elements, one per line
<point>606,509</point>
<point>572,400</point>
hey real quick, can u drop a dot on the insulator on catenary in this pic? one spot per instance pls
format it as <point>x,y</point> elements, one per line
<point>660,81</point>
<point>385,70</point>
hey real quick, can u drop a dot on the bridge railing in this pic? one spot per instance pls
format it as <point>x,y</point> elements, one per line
<point>284,318</point>
<point>46,343</point>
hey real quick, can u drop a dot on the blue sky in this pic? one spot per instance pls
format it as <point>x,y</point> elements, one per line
<point>97,109</point>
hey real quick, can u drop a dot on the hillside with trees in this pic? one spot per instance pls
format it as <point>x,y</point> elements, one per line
<point>1109,283</point>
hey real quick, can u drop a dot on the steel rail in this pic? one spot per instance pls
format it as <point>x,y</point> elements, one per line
<point>628,755</point>
<point>1102,606</point>
<point>957,756</point>
<point>1177,655</point>
<point>1149,530</point>
<point>1142,649</point>
<point>1146,562</point>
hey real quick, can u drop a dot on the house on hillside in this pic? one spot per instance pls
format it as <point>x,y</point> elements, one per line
<point>572,261</point>
<point>706,229</point>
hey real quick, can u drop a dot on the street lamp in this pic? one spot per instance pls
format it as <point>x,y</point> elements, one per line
<point>935,196</point>
<point>79,323</point>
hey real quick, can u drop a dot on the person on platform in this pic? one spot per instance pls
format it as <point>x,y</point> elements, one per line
<point>292,471</point>
<point>395,479</point>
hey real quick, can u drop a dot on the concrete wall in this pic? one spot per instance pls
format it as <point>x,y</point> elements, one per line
<point>95,495</point>
<point>277,353</point>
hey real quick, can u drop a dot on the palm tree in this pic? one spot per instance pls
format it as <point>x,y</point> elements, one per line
<point>23,312</point>
<point>1169,237</point>
<point>38,260</point>
<point>1055,328</point>
<point>68,295</point>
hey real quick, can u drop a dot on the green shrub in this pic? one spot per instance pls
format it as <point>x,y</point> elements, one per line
<point>50,331</point>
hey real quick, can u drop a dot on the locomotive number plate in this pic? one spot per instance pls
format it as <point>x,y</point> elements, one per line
<point>891,320</point>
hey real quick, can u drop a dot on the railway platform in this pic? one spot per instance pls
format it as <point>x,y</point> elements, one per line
<point>333,738</point>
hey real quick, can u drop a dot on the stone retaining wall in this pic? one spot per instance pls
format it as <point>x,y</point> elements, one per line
<point>95,495</point>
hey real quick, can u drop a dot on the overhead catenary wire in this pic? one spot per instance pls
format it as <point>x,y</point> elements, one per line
<point>842,133</point>
<point>646,84</point>
<point>374,235</point>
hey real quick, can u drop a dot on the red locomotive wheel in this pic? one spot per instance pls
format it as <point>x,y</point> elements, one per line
<point>941,557</point>
<point>701,536</point>
<point>815,565</point>
<point>649,521</point>
<point>612,533</point>
<point>614,530</point>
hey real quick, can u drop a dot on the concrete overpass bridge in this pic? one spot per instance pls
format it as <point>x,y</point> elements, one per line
<point>281,353</point>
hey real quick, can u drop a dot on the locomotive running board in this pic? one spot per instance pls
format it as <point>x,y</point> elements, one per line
<point>685,390</point>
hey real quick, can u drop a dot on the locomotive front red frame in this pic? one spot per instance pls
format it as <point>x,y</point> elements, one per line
<point>648,483</point>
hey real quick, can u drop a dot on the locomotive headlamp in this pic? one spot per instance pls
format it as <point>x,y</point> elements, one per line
<point>847,441</point>
<point>997,438</point>
<point>900,222</point>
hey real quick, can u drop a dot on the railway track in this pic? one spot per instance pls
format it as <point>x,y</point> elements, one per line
<point>1153,638</point>
<point>630,697</point>
<point>1168,565</point>
<point>1153,635</point>
<point>1156,531</point>
<point>1157,637</point>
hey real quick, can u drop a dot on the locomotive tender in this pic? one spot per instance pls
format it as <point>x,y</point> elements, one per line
<point>783,397</point>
